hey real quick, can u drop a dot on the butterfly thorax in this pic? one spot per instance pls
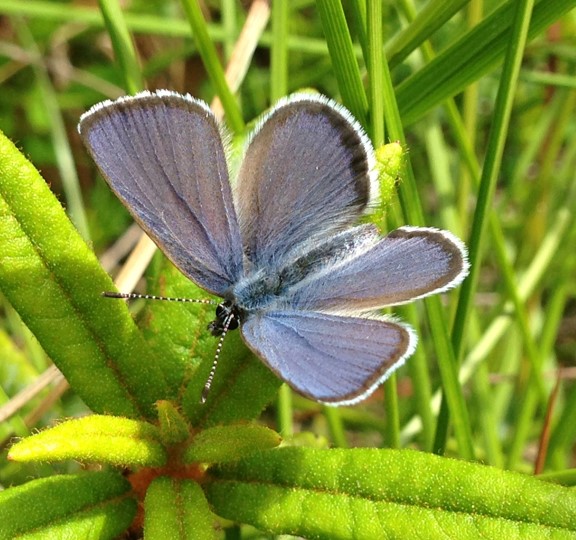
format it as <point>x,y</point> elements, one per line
<point>272,286</point>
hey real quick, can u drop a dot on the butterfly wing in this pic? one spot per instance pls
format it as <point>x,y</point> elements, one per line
<point>328,358</point>
<point>409,263</point>
<point>162,154</point>
<point>307,172</point>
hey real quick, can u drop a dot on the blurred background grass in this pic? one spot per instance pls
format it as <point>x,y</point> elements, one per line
<point>490,136</point>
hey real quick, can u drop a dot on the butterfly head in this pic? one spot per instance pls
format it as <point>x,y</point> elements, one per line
<point>228,317</point>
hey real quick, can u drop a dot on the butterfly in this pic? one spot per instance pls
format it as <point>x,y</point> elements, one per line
<point>282,246</point>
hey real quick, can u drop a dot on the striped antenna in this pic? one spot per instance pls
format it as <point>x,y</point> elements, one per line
<point>206,390</point>
<point>225,327</point>
<point>132,296</point>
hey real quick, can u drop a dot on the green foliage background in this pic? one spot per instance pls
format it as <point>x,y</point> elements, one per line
<point>480,94</point>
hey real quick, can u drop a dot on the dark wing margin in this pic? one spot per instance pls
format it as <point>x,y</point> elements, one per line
<point>328,358</point>
<point>163,156</point>
<point>308,172</point>
<point>409,263</point>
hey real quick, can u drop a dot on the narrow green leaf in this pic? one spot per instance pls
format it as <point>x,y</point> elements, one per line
<point>430,18</point>
<point>279,50</point>
<point>369,493</point>
<point>413,212</point>
<point>474,54</point>
<point>177,509</point>
<point>279,69</point>
<point>90,505</point>
<point>344,60</point>
<point>54,281</point>
<point>412,209</point>
<point>229,443</point>
<point>486,190</point>
<point>374,62</point>
<point>96,439</point>
<point>212,64</point>
<point>123,46</point>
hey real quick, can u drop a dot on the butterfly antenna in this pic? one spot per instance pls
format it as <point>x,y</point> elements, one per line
<point>131,296</point>
<point>210,378</point>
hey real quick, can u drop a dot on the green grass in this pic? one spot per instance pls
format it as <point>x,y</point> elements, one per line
<point>481,96</point>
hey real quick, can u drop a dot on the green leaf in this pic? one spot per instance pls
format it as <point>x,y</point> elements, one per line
<point>105,439</point>
<point>88,506</point>
<point>177,509</point>
<point>389,162</point>
<point>370,493</point>
<point>343,58</point>
<point>54,281</point>
<point>242,385</point>
<point>229,443</point>
<point>473,55</point>
<point>177,331</point>
<point>241,388</point>
<point>122,43</point>
<point>431,17</point>
<point>173,427</point>
<point>211,62</point>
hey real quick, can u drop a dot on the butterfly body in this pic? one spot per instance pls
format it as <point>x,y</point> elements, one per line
<point>280,245</point>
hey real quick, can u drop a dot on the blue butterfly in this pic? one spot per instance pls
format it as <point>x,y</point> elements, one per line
<point>282,248</point>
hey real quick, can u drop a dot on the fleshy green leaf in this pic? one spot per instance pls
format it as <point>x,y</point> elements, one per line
<point>173,427</point>
<point>88,506</point>
<point>370,493</point>
<point>105,439</point>
<point>241,388</point>
<point>242,385</point>
<point>177,331</point>
<point>389,160</point>
<point>54,281</point>
<point>177,509</point>
<point>229,443</point>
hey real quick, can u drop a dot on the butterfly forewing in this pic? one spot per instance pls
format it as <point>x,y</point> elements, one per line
<point>162,155</point>
<point>307,173</point>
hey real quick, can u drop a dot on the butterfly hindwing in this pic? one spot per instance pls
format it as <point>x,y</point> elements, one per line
<point>409,263</point>
<point>334,359</point>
